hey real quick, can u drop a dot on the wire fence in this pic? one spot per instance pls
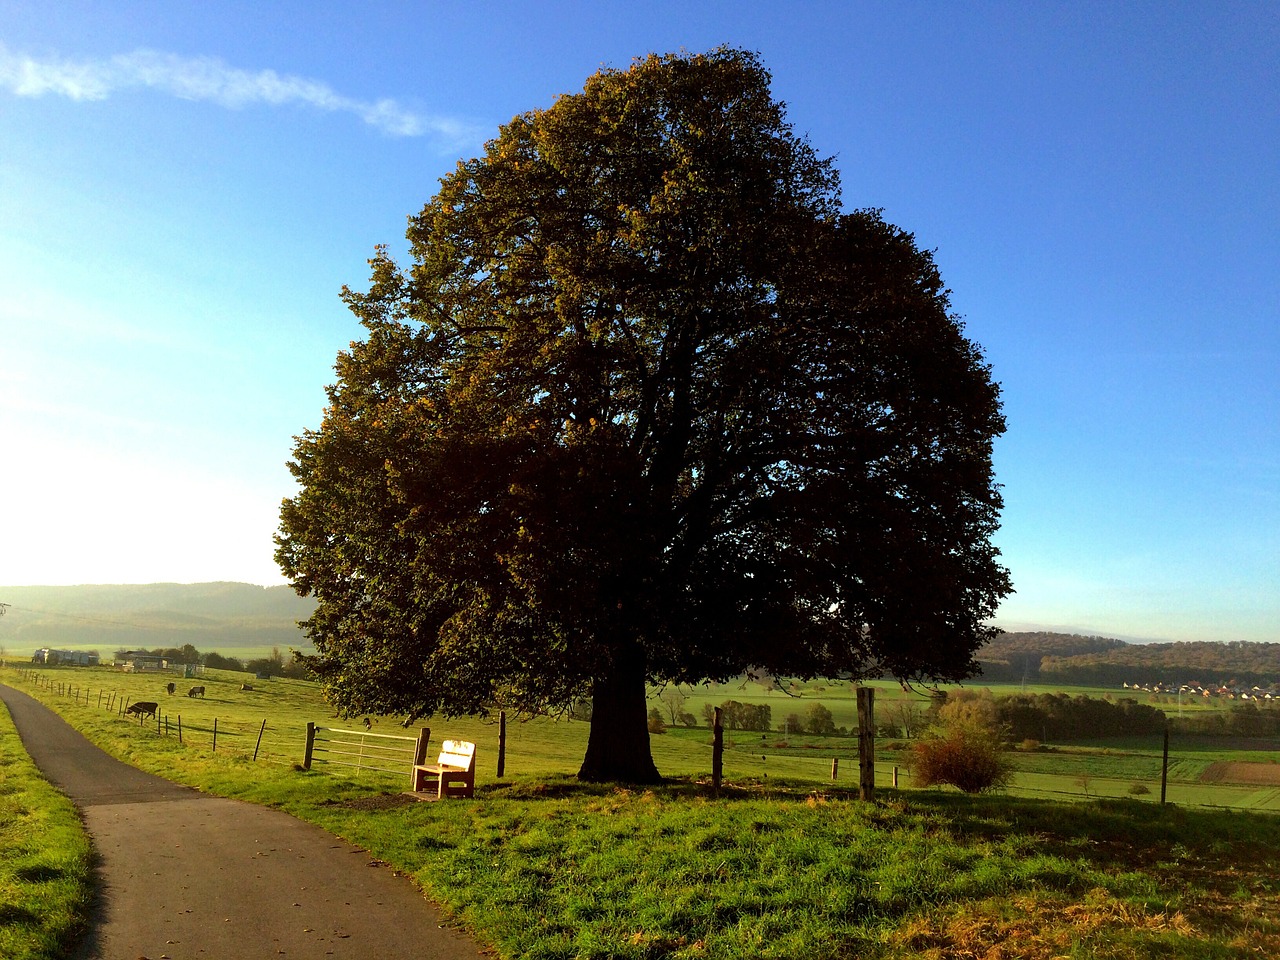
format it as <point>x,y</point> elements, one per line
<point>743,757</point>
<point>256,740</point>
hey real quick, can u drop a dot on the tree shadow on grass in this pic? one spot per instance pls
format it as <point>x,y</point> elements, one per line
<point>672,788</point>
<point>40,874</point>
<point>1116,834</point>
<point>14,914</point>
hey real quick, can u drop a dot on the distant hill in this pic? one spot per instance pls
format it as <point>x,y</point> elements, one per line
<point>1015,656</point>
<point>222,617</point>
<point>1069,659</point>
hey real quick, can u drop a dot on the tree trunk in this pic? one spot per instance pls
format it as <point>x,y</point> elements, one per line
<point>618,745</point>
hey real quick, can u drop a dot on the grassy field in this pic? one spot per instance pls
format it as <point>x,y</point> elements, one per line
<point>786,863</point>
<point>271,719</point>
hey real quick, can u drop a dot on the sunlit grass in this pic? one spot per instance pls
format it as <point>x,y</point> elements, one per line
<point>44,866</point>
<point>784,864</point>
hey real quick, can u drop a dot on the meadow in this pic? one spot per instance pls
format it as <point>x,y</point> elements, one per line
<point>784,863</point>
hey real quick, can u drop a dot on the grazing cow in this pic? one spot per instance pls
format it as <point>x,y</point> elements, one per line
<point>246,686</point>
<point>143,708</point>
<point>171,687</point>
<point>196,692</point>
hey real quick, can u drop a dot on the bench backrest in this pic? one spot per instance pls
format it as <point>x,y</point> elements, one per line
<point>457,753</point>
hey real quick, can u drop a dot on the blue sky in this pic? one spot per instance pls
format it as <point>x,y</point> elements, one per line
<point>185,187</point>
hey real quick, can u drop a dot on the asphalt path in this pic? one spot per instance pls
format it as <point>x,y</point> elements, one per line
<point>185,876</point>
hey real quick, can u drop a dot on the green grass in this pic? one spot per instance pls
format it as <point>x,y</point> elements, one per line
<point>45,866</point>
<point>784,864</point>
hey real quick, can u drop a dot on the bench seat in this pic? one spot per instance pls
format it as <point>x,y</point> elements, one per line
<point>454,772</point>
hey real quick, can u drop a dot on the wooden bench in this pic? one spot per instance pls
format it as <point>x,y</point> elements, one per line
<point>454,771</point>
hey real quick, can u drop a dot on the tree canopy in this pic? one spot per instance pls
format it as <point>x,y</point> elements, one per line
<point>647,406</point>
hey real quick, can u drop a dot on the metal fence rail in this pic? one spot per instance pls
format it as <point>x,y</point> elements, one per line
<point>364,750</point>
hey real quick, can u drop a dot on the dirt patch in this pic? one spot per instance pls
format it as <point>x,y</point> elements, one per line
<point>380,801</point>
<point>1242,771</point>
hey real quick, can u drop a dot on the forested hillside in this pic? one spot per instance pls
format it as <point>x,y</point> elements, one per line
<point>1072,660</point>
<point>209,616</point>
<point>1013,657</point>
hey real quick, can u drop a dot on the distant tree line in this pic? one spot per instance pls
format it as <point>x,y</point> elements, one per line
<point>1242,720</point>
<point>740,716</point>
<point>1059,716</point>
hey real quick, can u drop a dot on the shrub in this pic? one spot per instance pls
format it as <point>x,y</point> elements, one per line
<point>656,723</point>
<point>1138,789</point>
<point>963,749</point>
<point>967,759</point>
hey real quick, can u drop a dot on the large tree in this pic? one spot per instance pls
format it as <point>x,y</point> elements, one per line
<point>646,407</point>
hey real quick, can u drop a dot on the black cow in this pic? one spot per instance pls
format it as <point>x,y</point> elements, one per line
<point>171,687</point>
<point>196,692</point>
<point>143,708</point>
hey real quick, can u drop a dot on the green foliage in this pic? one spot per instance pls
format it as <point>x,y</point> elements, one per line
<point>818,720</point>
<point>216,661</point>
<point>647,406</point>
<point>746,716</point>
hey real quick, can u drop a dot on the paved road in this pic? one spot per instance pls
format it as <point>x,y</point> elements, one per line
<point>186,876</point>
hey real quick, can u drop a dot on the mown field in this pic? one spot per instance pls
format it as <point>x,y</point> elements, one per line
<point>786,863</point>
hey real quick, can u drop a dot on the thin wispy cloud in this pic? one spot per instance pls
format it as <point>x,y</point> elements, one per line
<point>212,80</point>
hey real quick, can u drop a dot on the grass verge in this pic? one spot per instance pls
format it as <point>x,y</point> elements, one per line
<point>44,858</point>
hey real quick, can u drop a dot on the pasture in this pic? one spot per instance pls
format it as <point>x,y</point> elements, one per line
<point>272,717</point>
<point>786,863</point>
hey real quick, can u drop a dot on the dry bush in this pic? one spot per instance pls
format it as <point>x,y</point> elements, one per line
<point>963,750</point>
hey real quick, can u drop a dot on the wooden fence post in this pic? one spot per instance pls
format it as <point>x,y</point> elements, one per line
<point>420,748</point>
<point>835,767</point>
<point>261,731</point>
<point>311,742</point>
<point>179,728</point>
<point>215,734</point>
<point>419,755</point>
<point>866,743</point>
<point>717,752</point>
<point>1164,767</point>
<point>502,743</point>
